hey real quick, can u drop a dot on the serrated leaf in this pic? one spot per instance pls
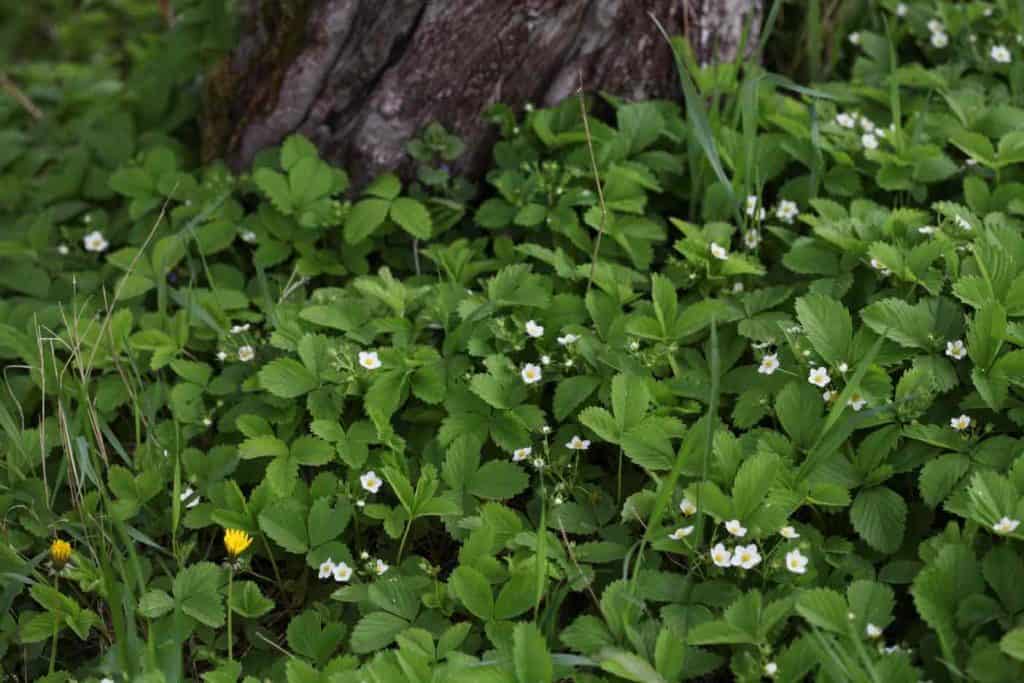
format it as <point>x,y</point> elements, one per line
<point>412,216</point>
<point>287,378</point>
<point>828,326</point>
<point>879,516</point>
<point>498,479</point>
<point>572,392</point>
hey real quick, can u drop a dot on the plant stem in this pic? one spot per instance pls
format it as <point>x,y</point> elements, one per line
<point>231,581</point>
<point>56,625</point>
<point>401,546</point>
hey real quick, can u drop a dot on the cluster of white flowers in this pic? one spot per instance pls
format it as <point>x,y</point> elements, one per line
<point>340,572</point>
<point>743,556</point>
<point>370,481</point>
<point>939,37</point>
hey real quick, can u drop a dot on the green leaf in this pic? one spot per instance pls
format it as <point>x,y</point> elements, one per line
<point>249,601</point>
<point>364,219</point>
<point>823,608</point>
<point>376,631</point>
<point>572,392</point>
<point>630,399</point>
<point>828,326</point>
<point>412,216</point>
<point>472,588</point>
<point>1013,644</point>
<point>287,378</point>
<point>326,523</point>
<point>498,479</point>
<point>197,593</point>
<point>530,655</point>
<point>755,477</point>
<point>285,524</point>
<point>879,516</point>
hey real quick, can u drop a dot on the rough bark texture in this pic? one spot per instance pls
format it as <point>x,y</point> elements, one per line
<point>361,77</point>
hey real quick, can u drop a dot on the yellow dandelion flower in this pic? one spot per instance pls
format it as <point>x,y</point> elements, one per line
<point>236,541</point>
<point>60,552</point>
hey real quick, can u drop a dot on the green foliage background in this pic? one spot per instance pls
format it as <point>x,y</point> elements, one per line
<point>570,393</point>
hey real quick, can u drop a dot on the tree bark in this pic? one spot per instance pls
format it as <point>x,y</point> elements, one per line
<point>362,77</point>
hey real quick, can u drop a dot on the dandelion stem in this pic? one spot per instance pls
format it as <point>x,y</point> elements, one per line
<point>231,581</point>
<point>56,626</point>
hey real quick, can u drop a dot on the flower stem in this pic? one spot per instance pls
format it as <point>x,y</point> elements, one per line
<point>401,546</point>
<point>56,625</point>
<point>231,581</point>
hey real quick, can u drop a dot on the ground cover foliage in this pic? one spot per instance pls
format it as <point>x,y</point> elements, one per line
<point>748,407</point>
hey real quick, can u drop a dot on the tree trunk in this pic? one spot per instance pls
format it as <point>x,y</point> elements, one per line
<point>361,77</point>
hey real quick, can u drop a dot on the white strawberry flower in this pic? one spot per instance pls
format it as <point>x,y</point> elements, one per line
<point>63,249</point>
<point>746,556</point>
<point>568,339</point>
<point>845,120</point>
<point>246,353</point>
<point>855,38</point>
<point>939,39</point>
<point>538,463</point>
<point>248,236</point>
<point>819,377</point>
<point>186,495</point>
<point>789,532</point>
<point>734,527</point>
<point>721,556</point>
<point>843,367</point>
<point>927,230</point>
<point>873,631</point>
<point>326,569</point>
<point>380,567</point>
<point>681,533</point>
<point>857,402</point>
<point>719,252</point>
<point>796,561</point>
<point>687,507</point>
<point>751,239</point>
<point>869,141</point>
<point>867,124</point>
<point>222,356</point>
<point>769,364</point>
<point>935,26</point>
<point>95,242</point>
<point>960,423</point>
<point>531,373</point>
<point>342,572</point>
<point>770,669</point>
<point>534,330</point>
<point>1006,525</point>
<point>901,9</point>
<point>961,222</point>
<point>520,454</point>
<point>369,360</point>
<point>239,329</point>
<point>577,444</point>
<point>1000,54</point>
<point>545,360</point>
<point>956,349</point>
<point>370,481</point>
<point>787,211</point>
<point>828,395</point>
